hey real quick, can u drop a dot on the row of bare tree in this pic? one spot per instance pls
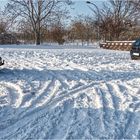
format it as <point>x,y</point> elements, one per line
<point>45,20</point>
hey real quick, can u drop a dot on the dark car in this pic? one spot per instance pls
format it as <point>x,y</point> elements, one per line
<point>1,62</point>
<point>135,50</point>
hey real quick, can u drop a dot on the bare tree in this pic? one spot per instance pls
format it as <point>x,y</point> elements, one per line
<point>89,28</point>
<point>115,17</point>
<point>82,29</point>
<point>5,23</point>
<point>36,12</point>
<point>77,31</point>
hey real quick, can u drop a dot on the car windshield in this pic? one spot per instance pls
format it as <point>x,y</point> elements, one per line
<point>137,43</point>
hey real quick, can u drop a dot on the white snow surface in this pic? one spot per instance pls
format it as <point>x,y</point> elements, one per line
<point>52,92</point>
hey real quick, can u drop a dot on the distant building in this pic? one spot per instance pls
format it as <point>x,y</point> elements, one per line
<point>6,38</point>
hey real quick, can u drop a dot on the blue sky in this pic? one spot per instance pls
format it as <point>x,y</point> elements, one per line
<point>80,7</point>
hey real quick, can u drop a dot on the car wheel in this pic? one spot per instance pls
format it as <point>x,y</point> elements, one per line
<point>133,58</point>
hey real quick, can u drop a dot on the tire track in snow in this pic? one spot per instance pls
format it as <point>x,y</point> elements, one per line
<point>72,92</point>
<point>97,103</point>
<point>132,124</point>
<point>116,101</point>
<point>15,94</point>
<point>35,96</point>
<point>51,92</point>
<point>108,115</point>
<point>119,98</point>
<point>39,95</point>
<point>53,101</point>
<point>100,91</point>
<point>48,90</point>
<point>134,98</point>
<point>127,117</point>
<point>24,112</point>
<point>46,96</point>
<point>53,87</point>
<point>103,110</point>
<point>126,91</point>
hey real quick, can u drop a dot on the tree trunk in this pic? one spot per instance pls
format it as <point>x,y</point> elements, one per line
<point>38,39</point>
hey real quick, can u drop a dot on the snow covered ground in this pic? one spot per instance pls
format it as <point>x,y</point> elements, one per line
<point>68,93</point>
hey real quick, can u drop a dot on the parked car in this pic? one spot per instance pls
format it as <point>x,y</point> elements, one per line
<point>135,50</point>
<point>1,62</point>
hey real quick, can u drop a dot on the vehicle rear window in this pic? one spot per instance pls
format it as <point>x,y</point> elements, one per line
<point>137,43</point>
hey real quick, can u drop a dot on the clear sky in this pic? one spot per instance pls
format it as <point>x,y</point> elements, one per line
<point>80,7</point>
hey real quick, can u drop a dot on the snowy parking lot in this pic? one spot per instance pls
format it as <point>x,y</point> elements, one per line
<point>67,93</point>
